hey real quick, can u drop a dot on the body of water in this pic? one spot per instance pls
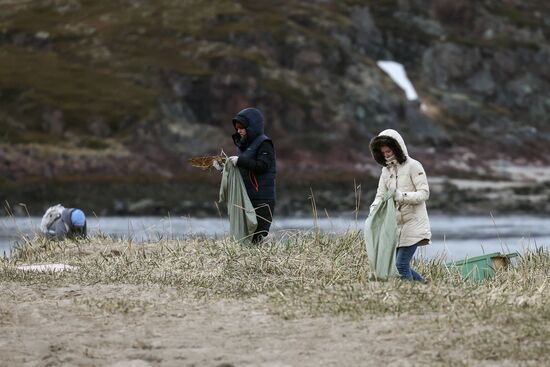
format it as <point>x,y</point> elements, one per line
<point>456,237</point>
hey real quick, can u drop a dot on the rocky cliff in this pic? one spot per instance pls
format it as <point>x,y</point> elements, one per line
<point>125,91</point>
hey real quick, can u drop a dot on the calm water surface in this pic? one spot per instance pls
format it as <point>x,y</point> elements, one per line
<point>453,236</point>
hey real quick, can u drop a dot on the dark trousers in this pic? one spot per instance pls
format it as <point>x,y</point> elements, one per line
<point>403,263</point>
<point>264,215</point>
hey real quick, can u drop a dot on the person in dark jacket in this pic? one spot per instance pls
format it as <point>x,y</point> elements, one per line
<point>59,223</point>
<point>256,161</point>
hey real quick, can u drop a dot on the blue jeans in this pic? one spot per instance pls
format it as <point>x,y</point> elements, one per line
<point>403,262</point>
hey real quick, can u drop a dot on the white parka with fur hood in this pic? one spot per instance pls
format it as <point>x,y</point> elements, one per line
<point>407,176</point>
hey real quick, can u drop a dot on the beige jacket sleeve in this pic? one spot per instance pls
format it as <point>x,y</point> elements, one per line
<point>382,189</point>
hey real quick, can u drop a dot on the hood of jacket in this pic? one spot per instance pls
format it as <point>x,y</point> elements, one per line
<point>253,121</point>
<point>391,139</point>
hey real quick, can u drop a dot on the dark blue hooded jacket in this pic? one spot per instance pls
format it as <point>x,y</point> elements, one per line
<point>257,161</point>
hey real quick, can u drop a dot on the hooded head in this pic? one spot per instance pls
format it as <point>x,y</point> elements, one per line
<point>392,140</point>
<point>78,219</point>
<point>253,121</point>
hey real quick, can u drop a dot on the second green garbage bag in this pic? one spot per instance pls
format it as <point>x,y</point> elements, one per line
<point>381,238</point>
<point>242,217</point>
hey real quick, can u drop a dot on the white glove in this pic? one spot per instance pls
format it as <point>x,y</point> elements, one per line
<point>398,196</point>
<point>233,159</point>
<point>216,165</point>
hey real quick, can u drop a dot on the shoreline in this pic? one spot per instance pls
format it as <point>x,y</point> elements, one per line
<point>198,198</point>
<point>455,236</point>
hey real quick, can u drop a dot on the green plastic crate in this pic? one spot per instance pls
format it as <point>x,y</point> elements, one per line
<point>481,267</point>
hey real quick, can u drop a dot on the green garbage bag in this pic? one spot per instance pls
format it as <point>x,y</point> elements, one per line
<point>381,238</point>
<point>242,217</point>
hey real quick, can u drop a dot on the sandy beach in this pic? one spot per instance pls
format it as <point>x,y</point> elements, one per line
<point>219,304</point>
<point>148,326</point>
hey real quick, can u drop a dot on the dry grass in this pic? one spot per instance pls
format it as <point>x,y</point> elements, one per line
<point>206,162</point>
<point>306,274</point>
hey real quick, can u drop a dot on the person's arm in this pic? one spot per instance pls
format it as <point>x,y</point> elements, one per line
<point>420,181</point>
<point>58,230</point>
<point>265,158</point>
<point>381,191</point>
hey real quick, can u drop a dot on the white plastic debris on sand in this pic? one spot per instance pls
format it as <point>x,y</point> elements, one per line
<point>397,73</point>
<point>46,267</point>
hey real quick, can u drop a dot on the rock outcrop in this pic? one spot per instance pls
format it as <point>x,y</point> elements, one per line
<point>126,89</point>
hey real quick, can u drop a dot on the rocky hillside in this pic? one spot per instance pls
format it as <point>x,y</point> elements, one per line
<point>124,91</point>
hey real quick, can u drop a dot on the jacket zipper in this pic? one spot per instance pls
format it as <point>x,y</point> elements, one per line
<point>400,213</point>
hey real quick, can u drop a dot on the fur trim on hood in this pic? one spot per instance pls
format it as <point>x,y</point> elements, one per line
<point>392,140</point>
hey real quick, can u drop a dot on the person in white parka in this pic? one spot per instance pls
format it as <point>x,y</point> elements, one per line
<point>408,178</point>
